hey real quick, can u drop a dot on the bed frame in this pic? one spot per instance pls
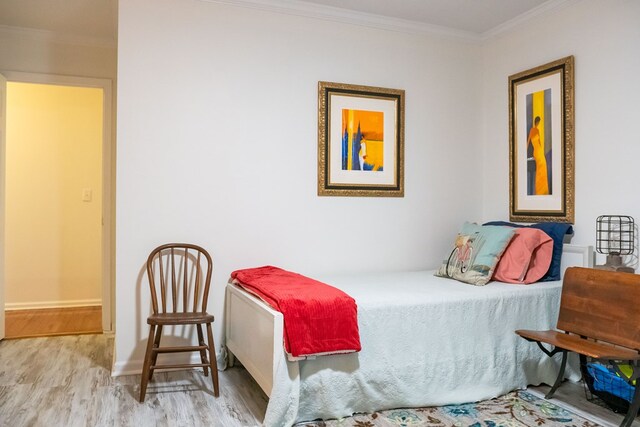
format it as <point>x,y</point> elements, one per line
<point>254,331</point>
<point>254,335</point>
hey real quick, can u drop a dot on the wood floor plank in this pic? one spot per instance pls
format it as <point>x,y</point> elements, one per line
<point>573,397</point>
<point>67,381</point>
<point>53,322</point>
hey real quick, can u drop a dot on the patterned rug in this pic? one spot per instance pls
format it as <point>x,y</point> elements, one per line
<point>516,409</point>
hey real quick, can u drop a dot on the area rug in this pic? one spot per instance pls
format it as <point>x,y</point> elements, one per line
<point>518,408</point>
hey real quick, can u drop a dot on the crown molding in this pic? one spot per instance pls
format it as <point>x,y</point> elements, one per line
<point>336,14</point>
<point>55,37</point>
<point>543,9</point>
<point>312,10</point>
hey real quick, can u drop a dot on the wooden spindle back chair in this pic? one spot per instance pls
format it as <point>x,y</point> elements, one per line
<point>179,279</point>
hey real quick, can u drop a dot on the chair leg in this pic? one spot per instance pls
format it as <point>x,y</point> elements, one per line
<point>154,354</point>
<point>633,407</point>
<point>147,364</point>
<point>563,365</point>
<point>212,361</point>
<point>203,353</point>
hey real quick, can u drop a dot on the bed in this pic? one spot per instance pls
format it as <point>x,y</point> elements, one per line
<point>425,341</point>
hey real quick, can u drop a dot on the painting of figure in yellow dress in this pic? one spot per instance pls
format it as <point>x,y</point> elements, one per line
<point>539,153</point>
<point>362,140</point>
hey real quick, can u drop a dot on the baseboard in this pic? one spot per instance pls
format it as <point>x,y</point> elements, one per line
<point>127,367</point>
<point>51,304</point>
<point>134,367</point>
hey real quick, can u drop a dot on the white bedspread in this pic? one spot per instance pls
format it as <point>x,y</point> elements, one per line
<point>425,341</point>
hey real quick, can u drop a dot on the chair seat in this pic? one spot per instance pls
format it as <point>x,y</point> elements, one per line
<point>179,318</point>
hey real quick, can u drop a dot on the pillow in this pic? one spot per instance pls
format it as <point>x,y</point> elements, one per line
<point>527,257</point>
<point>475,253</point>
<point>555,230</point>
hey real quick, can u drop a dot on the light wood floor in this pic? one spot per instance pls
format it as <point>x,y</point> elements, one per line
<point>53,321</point>
<point>66,381</point>
<point>572,397</point>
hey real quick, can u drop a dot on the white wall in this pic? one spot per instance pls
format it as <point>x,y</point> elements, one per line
<point>604,37</point>
<point>53,236</point>
<point>217,145</point>
<point>34,53</point>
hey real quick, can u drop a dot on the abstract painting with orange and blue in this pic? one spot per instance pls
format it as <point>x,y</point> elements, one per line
<point>539,153</point>
<point>362,140</point>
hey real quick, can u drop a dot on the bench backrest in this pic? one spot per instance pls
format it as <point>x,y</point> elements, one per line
<point>601,304</point>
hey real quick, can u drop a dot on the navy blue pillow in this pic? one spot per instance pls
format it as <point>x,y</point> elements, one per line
<point>555,230</point>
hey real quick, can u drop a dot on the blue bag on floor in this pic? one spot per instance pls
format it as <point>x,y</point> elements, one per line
<point>606,379</point>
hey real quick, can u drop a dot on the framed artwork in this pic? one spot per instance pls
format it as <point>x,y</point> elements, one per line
<point>360,140</point>
<point>541,143</point>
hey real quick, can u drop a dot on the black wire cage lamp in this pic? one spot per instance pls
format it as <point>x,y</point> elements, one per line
<point>615,238</point>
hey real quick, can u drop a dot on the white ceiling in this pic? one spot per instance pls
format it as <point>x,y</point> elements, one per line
<point>97,19</point>
<point>475,16</point>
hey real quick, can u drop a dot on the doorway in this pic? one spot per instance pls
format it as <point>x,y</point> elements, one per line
<point>57,203</point>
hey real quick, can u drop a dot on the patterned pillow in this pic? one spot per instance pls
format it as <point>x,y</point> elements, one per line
<point>476,251</point>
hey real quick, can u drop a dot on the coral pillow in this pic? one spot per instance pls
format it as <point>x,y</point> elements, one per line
<point>527,258</point>
<point>555,230</point>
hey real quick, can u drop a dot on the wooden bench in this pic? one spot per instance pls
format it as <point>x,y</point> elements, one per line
<point>599,318</point>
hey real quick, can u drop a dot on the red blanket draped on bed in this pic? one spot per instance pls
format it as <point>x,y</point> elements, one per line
<point>318,318</point>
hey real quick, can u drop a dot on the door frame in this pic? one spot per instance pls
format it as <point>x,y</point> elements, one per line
<point>108,176</point>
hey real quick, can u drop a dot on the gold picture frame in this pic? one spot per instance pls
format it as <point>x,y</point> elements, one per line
<point>360,141</point>
<point>541,143</point>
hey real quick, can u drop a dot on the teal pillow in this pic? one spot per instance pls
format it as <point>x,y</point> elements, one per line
<point>475,253</point>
